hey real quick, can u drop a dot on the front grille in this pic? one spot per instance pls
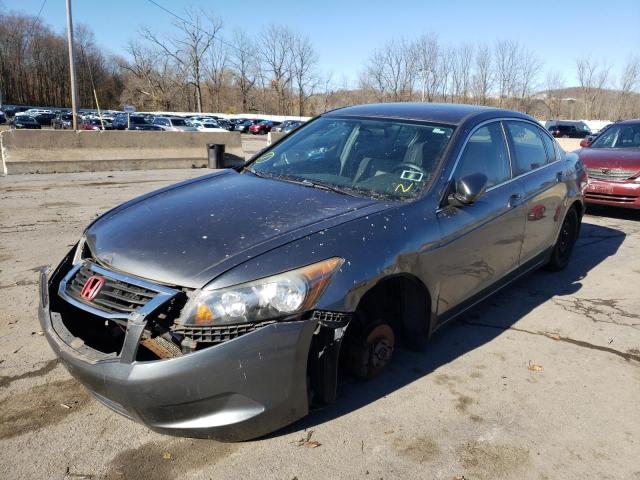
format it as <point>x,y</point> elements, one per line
<point>610,197</point>
<point>331,318</point>
<point>115,296</point>
<point>216,335</point>
<point>615,174</point>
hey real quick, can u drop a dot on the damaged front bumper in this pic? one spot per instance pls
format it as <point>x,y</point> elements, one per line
<point>237,390</point>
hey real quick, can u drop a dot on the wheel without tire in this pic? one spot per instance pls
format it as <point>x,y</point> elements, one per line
<point>369,356</point>
<point>566,241</point>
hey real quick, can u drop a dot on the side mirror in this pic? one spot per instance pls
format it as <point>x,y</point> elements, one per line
<point>468,189</point>
<point>585,142</point>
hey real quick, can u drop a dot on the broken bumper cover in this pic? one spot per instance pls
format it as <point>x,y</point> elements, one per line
<point>241,389</point>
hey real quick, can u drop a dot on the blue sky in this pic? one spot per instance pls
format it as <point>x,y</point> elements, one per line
<point>344,32</point>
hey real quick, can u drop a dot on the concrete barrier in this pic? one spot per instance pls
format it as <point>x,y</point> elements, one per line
<point>273,137</point>
<point>49,151</point>
<point>569,144</point>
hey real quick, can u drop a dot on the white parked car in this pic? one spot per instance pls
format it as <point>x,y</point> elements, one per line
<point>207,126</point>
<point>32,112</point>
<point>174,124</point>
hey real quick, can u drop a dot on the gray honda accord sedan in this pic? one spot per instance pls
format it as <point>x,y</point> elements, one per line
<point>224,306</point>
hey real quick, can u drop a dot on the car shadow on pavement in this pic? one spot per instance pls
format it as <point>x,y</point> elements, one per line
<point>613,212</point>
<point>596,244</point>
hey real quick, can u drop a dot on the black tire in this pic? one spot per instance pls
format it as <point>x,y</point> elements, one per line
<point>566,241</point>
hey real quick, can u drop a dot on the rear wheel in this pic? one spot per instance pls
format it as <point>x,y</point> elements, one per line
<point>566,241</point>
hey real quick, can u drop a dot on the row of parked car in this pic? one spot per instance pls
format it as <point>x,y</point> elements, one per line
<point>35,118</point>
<point>568,128</point>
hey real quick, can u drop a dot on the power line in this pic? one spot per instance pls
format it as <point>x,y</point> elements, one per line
<point>221,40</point>
<point>35,22</point>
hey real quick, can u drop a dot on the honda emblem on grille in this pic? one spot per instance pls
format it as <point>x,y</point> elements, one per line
<point>606,171</point>
<point>92,287</point>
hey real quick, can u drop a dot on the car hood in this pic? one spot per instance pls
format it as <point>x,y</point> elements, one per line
<point>188,234</point>
<point>622,158</point>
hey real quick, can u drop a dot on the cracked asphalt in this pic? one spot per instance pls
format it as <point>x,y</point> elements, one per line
<point>541,381</point>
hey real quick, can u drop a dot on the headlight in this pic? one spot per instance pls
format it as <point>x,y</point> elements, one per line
<point>271,297</point>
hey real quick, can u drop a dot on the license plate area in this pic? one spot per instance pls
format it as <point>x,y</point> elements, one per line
<point>600,188</point>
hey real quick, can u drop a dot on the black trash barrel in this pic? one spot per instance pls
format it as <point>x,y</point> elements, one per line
<point>215,154</point>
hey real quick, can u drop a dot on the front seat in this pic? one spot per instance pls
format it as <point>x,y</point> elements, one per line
<point>425,151</point>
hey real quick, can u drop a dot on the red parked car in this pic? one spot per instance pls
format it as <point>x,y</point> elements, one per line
<point>262,127</point>
<point>613,165</point>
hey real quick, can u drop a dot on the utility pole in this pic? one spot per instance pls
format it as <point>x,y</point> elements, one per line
<point>72,67</point>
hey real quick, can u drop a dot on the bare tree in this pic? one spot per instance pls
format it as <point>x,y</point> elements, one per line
<point>528,67</point>
<point>276,50</point>
<point>391,71</point>
<point>461,71</point>
<point>445,68</point>
<point>506,69</point>
<point>482,80</point>
<point>153,82</point>
<point>629,82</point>
<point>305,60</point>
<point>216,70</point>
<point>245,66</point>
<point>195,36</point>
<point>427,54</point>
<point>592,78</point>
<point>554,84</point>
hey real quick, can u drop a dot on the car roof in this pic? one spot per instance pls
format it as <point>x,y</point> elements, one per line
<point>566,122</point>
<point>450,113</point>
<point>631,121</point>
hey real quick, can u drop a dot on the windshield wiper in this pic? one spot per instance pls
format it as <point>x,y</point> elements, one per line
<point>319,185</point>
<point>305,182</point>
<point>257,173</point>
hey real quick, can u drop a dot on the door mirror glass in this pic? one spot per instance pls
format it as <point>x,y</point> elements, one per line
<point>468,189</point>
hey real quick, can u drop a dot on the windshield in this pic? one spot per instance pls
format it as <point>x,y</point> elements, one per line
<point>378,158</point>
<point>619,136</point>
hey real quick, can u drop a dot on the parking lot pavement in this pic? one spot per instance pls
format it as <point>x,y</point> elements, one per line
<point>251,144</point>
<point>541,381</point>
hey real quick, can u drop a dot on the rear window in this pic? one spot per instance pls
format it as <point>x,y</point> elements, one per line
<point>529,150</point>
<point>549,146</point>
<point>619,136</point>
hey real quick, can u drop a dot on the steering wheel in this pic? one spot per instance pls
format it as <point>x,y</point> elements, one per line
<point>411,167</point>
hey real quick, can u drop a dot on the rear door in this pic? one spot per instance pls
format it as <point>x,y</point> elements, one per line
<point>535,163</point>
<point>481,242</point>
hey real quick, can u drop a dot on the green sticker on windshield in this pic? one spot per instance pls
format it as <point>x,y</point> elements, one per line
<point>265,157</point>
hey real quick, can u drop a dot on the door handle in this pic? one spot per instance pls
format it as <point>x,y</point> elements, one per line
<point>515,200</point>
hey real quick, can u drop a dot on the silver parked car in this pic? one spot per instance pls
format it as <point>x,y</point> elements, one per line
<point>174,124</point>
<point>225,305</point>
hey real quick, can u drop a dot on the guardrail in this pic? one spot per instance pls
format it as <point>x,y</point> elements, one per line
<point>51,151</point>
<point>273,137</point>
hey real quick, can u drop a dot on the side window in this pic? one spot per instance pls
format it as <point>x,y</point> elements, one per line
<point>486,152</point>
<point>528,148</point>
<point>549,146</point>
